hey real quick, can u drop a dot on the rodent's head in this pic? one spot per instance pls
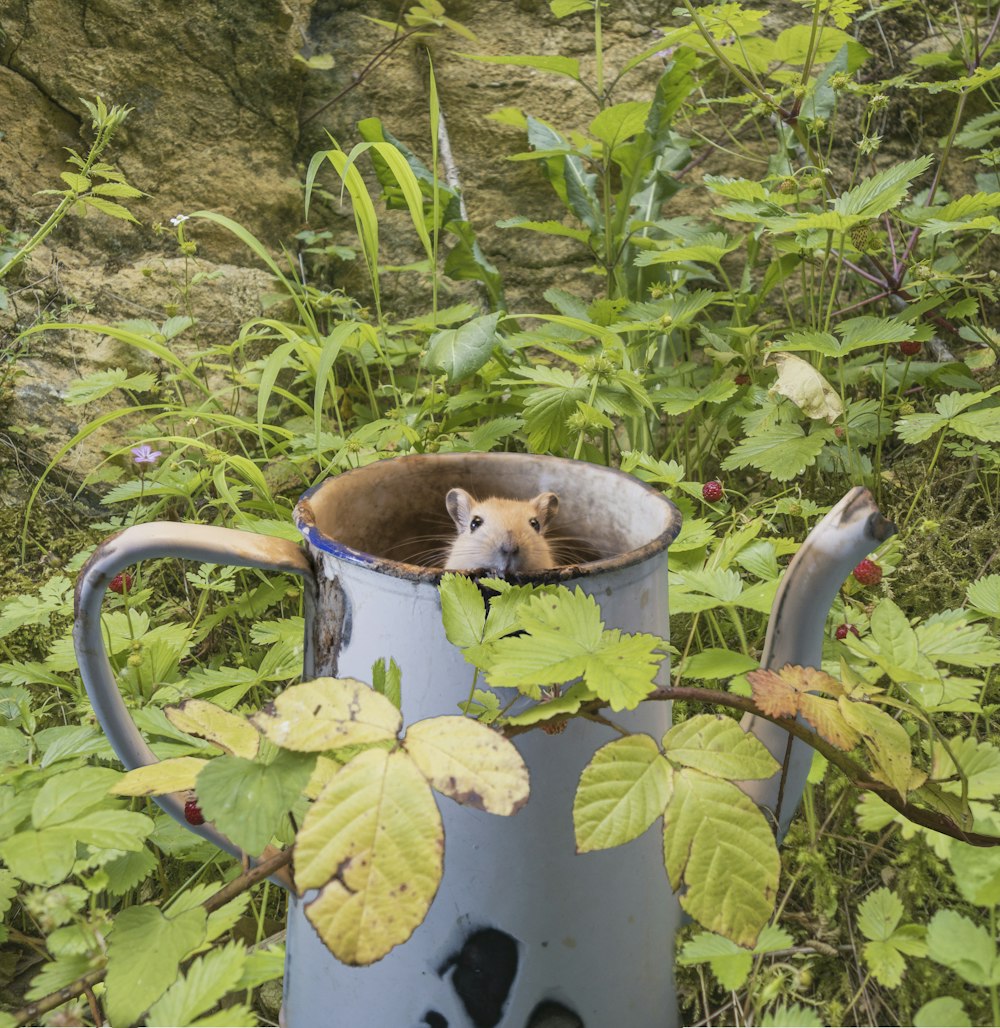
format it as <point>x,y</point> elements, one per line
<point>502,535</point>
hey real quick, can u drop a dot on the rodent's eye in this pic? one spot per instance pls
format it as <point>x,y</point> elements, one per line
<point>475,523</point>
<point>534,524</point>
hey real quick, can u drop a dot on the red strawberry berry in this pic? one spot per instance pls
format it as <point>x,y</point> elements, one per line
<point>843,629</point>
<point>868,572</point>
<point>192,813</point>
<point>121,583</point>
<point>712,492</point>
<point>910,348</point>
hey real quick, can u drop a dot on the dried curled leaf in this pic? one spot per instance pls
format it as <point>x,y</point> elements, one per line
<point>791,692</point>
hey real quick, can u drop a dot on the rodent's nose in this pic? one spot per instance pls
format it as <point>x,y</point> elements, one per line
<point>509,547</point>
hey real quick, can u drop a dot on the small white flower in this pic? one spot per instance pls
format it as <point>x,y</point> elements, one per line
<point>178,219</point>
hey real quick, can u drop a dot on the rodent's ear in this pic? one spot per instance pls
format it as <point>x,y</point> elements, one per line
<point>459,504</point>
<point>546,505</point>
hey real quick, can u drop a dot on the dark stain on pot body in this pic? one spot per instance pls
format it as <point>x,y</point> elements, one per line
<point>484,971</point>
<point>552,1014</point>
<point>331,626</point>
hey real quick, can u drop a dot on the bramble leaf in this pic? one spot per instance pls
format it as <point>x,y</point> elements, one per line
<point>172,775</point>
<point>469,762</point>
<point>247,800</point>
<point>373,845</point>
<point>463,610</point>
<point>783,451</point>
<point>710,824</point>
<point>718,746</point>
<point>328,713</point>
<point>622,791</point>
<point>205,720</point>
<point>144,955</point>
<point>965,947</point>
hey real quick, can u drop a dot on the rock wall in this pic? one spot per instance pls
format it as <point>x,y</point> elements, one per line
<point>226,116</point>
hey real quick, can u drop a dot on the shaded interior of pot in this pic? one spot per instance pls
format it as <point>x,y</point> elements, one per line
<point>395,509</point>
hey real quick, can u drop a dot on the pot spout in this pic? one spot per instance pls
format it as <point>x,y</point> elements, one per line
<point>851,530</point>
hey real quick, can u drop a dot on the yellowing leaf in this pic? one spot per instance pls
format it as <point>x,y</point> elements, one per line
<point>719,747</point>
<point>717,842</point>
<point>886,740</point>
<point>805,387</point>
<point>827,719</point>
<point>205,720</point>
<point>779,693</point>
<point>174,775</point>
<point>469,762</point>
<point>622,791</point>
<point>373,845</point>
<point>328,713</point>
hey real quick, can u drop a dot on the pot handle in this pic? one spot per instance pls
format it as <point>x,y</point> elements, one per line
<point>205,543</point>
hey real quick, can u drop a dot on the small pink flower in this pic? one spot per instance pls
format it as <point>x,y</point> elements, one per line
<point>145,454</point>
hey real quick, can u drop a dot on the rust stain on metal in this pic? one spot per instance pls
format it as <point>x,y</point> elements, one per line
<point>331,625</point>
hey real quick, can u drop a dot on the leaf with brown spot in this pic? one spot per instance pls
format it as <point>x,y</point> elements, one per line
<point>373,845</point>
<point>329,713</point>
<point>469,762</point>
<point>205,720</point>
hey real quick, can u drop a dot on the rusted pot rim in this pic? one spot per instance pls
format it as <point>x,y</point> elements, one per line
<point>305,521</point>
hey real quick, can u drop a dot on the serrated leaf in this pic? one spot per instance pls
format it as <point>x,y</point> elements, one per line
<point>172,775</point>
<point>619,122</point>
<point>885,739</point>
<point>469,762</point>
<point>984,595</point>
<point>945,1011</point>
<point>66,796</point>
<point>372,844</point>
<point>731,963</point>
<point>205,982</point>
<point>965,947</point>
<point>98,385</point>
<point>40,858</point>
<point>793,1015</point>
<point>710,824</point>
<point>463,610</point>
<point>568,702</point>
<point>879,914</point>
<point>109,207</point>
<point>622,791</point>
<point>783,452</point>
<point>976,873</point>
<point>948,636</point>
<point>247,800</point>
<point>205,720</point>
<point>882,191</point>
<point>144,955</point>
<point>779,693</point>
<point>718,746</point>
<point>327,713</point>
<point>899,653</point>
<point>716,663</point>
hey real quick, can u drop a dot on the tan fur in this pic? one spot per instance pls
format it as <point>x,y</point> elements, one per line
<point>505,541</point>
